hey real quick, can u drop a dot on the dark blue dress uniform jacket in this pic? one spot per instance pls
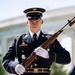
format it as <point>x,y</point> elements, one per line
<point>56,52</point>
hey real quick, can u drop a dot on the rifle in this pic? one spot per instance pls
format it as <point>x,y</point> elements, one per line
<point>33,56</point>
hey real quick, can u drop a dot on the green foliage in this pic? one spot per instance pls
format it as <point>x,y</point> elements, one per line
<point>2,71</point>
<point>58,69</point>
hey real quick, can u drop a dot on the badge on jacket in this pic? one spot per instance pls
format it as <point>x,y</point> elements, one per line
<point>23,44</point>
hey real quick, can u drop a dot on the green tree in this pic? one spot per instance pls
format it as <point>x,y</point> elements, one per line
<point>2,71</point>
<point>57,69</point>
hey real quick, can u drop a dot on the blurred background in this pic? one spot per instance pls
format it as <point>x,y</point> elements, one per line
<point>12,23</point>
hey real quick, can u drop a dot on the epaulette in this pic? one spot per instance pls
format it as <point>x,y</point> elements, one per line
<point>19,35</point>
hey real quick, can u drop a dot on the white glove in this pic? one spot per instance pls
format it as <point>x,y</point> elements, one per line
<point>19,69</point>
<point>41,52</point>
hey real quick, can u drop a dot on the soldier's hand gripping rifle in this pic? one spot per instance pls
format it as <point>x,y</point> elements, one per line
<point>33,56</point>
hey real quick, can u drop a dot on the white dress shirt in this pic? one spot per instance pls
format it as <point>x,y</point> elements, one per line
<point>31,33</point>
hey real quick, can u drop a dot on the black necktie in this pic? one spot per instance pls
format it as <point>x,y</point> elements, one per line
<point>35,37</point>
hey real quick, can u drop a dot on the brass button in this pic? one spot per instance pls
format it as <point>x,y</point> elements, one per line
<point>35,64</point>
<point>23,56</point>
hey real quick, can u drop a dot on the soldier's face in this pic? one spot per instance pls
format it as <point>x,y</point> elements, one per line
<point>34,25</point>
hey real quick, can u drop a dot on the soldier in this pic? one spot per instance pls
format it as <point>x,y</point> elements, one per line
<point>24,45</point>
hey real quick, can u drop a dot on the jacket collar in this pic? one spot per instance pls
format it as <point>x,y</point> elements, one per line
<point>27,38</point>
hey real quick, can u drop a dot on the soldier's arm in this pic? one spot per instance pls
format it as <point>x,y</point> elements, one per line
<point>59,54</point>
<point>8,60</point>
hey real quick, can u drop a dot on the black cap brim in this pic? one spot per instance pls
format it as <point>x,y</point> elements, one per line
<point>34,10</point>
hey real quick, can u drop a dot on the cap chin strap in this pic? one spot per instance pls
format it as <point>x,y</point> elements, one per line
<point>34,12</point>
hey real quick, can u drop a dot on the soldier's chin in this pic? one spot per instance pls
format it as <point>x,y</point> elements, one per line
<point>34,27</point>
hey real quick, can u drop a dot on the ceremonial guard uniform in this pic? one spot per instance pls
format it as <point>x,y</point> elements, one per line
<point>24,45</point>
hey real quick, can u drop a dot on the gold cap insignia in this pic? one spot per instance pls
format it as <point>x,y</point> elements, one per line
<point>34,9</point>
